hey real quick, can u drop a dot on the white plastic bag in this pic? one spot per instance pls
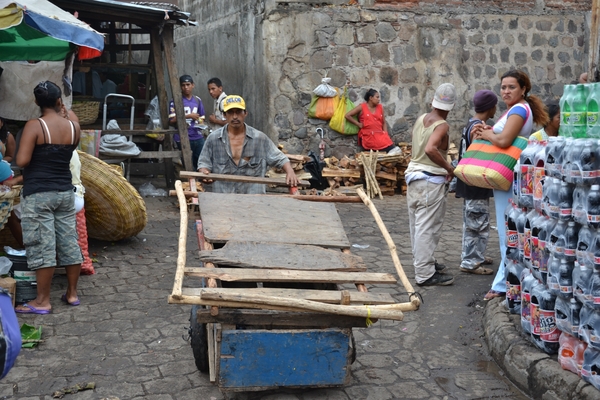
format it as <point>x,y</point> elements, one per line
<point>324,89</point>
<point>5,265</point>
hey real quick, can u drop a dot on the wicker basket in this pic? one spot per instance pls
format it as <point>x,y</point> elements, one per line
<point>86,111</point>
<point>114,210</point>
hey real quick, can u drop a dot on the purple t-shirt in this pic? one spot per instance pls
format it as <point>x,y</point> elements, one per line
<point>193,105</point>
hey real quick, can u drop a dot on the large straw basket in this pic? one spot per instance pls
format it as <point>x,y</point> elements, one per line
<point>86,111</point>
<point>7,200</point>
<point>114,210</point>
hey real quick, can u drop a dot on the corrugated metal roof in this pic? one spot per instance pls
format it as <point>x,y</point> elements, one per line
<point>148,14</point>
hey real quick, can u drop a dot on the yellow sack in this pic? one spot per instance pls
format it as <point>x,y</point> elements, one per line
<point>338,122</point>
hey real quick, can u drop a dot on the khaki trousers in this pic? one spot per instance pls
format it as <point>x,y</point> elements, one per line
<point>426,210</point>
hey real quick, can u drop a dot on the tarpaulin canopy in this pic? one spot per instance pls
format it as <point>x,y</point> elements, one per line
<point>39,30</point>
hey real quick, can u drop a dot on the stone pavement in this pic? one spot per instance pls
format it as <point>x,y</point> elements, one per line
<point>131,343</point>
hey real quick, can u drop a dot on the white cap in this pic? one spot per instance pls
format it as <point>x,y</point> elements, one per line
<point>445,97</point>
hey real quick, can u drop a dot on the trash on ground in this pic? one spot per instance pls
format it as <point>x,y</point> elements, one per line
<point>360,246</point>
<point>148,189</point>
<point>30,336</point>
<point>59,394</point>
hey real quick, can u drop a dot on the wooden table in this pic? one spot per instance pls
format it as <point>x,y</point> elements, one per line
<point>279,249</point>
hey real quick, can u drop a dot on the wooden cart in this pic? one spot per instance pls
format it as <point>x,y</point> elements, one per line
<point>268,309</point>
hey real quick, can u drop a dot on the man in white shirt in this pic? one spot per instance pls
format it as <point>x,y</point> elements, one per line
<point>217,118</point>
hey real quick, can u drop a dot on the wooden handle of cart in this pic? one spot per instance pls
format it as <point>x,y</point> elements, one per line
<point>181,251</point>
<point>239,178</point>
<point>392,247</point>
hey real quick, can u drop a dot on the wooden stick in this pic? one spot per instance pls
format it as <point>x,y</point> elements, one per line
<point>185,299</point>
<point>267,301</point>
<point>181,246</point>
<point>240,178</point>
<point>391,246</point>
<point>304,197</point>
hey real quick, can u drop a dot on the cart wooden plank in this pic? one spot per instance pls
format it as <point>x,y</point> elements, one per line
<point>280,319</point>
<point>282,256</point>
<point>270,219</point>
<point>276,275</point>
<point>324,296</point>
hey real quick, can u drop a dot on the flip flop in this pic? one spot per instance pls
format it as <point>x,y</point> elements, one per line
<point>492,294</point>
<point>478,271</point>
<point>487,261</point>
<point>32,310</point>
<point>73,303</point>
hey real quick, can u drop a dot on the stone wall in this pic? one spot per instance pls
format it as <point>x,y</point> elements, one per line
<point>402,48</point>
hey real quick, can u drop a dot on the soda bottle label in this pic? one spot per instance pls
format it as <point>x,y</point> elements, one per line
<point>578,118</point>
<point>597,260</point>
<point>513,292</point>
<point>527,252</point>
<point>553,284</point>
<point>554,210</point>
<point>527,180</point>
<point>542,245</point>
<point>548,331</point>
<point>543,263</point>
<point>566,119</point>
<point>592,117</point>
<point>512,239</point>
<point>534,312</point>
<point>559,249</point>
<point>588,174</point>
<point>596,300</point>
<point>566,212</point>
<point>521,241</point>
<point>569,252</point>
<point>534,250</point>
<point>538,187</point>
<point>594,339</point>
<point>525,302</point>
<point>593,218</point>
<point>568,290</point>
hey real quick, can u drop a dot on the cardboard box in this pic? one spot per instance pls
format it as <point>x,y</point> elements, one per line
<point>11,285</point>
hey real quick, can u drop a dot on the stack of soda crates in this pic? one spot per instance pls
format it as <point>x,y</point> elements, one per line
<point>553,237</point>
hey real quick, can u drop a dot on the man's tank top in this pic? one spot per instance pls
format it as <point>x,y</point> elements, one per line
<point>420,161</point>
<point>48,170</point>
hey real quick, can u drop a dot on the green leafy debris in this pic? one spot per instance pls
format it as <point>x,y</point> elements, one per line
<point>30,336</point>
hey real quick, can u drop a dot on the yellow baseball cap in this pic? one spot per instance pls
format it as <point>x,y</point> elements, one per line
<point>233,101</point>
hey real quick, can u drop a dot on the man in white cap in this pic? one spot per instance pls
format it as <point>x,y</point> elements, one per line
<point>427,177</point>
<point>239,149</point>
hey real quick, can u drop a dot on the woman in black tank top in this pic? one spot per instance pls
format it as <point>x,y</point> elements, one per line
<point>47,198</point>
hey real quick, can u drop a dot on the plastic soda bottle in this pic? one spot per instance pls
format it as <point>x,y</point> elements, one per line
<point>527,280</point>
<point>593,206</point>
<point>539,171</point>
<point>565,112</point>
<point>544,332</point>
<point>578,119</point>
<point>593,107</point>
<point>590,371</point>
<point>513,286</point>
<point>527,165</point>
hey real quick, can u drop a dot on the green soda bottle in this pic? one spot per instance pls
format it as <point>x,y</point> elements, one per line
<point>565,112</point>
<point>578,117</point>
<point>593,103</point>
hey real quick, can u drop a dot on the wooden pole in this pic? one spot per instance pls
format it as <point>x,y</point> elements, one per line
<point>177,100</point>
<point>163,101</point>
<point>299,304</point>
<point>240,178</point>
<point>593,72</point>
<point>305,197</point>
<point>181,246</point>
<point>392,247</point>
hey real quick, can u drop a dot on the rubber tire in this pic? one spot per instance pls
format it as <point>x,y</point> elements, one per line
<point>199,341</point>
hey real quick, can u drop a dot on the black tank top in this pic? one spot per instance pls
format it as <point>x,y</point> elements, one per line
<point>48,170</point>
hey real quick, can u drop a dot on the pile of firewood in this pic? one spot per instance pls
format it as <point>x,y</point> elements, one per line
<point>346,174</point>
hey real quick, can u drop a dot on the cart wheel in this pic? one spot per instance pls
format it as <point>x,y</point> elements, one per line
<point>353,354</point>
<point>198,341</point>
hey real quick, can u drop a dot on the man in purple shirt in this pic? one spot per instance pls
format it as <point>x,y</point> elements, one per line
<point>194,117</point>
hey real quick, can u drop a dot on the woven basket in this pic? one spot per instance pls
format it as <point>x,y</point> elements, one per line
<point>114,210</point>
<point>86,111</point>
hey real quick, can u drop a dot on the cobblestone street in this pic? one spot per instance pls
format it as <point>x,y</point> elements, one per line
<point>131,343</point>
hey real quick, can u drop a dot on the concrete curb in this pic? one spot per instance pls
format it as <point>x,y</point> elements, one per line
<point>533,371</point>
